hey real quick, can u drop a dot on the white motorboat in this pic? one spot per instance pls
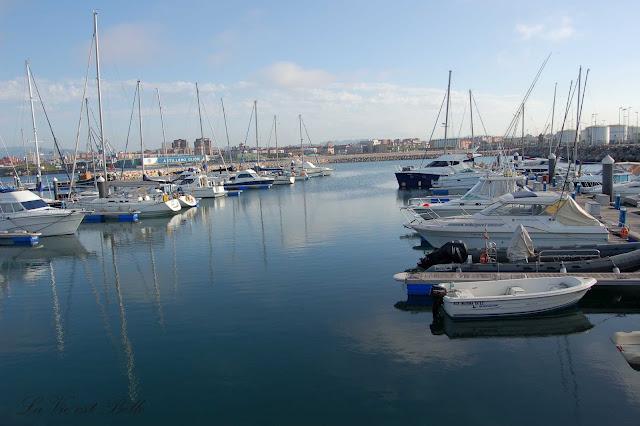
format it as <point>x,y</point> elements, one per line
<point>283,179</point>
<point>484,193</point>
<point>629,346</point>
<point>526,296</point>
<point>551,220</point>
<point>22,210</point>
<point>159,204</point>
<point>199,185</point>
<point>531,166</point>
<point>457,183</point>
<point>424,177</point>
<point>311,170</point>
<point>248,179</point>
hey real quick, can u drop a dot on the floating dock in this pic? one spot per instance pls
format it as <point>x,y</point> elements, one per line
<point>101,217</point>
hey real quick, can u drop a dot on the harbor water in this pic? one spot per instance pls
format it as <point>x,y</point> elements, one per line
<point>278,307</point>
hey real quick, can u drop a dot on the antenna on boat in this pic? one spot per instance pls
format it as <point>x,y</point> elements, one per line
<point>35,130</point>
<point>102,138</point>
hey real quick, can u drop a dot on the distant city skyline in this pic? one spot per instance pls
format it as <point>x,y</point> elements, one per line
<point>354,71</point>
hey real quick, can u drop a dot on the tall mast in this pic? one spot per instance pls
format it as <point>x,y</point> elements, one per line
<point>140,128</point>
<point>102,138</point>
<point>275,131</point>
<point>553,114</point>
<point>164,137</point>
<point>255,108</point>
<point>226,129</point>
<point>301,146</point>
<point>200,117</point>
<point>471,111</point>
<point>35,131</point>
<point>522,131</point>
<point>575,143</point>
<point>446,117</point>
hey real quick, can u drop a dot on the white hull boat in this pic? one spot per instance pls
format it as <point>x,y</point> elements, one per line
<point>200,186</point>
<point>248,179</point>
<point>22,210</point>
<point>527,296</point>
<point>284,180</point>
<point>312,170</point>
<point>550,221</point>
<point>144,206</point>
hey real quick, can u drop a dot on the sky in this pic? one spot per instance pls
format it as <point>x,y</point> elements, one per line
<point>353,69</point>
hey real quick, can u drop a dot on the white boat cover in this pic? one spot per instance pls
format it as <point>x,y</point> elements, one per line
<point>569,213</point>
<point>490,187</point>
<point>521,247</point>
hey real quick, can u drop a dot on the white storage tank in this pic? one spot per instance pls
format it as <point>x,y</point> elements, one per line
<point>596,135</point>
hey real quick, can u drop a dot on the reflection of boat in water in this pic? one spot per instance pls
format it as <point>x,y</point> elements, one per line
<point>629,346</point>
<point>567,322</point>
<point>50,248</point>
<point>612,299</point>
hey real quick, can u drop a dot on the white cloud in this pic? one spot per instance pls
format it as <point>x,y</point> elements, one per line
<point>130,43</point>
<point>551,30</point>
<point>291,75</point>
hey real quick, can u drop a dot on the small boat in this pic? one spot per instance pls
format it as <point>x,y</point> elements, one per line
<point>146,205</point>
<point>312,170</point>
<point>248,179</point>
<point>629,346</point>
<point>187,201</point>
<point>283,178</point>
<point>19,238</point>
<point>526,296</point>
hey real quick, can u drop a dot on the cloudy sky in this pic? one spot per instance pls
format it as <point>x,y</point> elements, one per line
<point>354,69</point>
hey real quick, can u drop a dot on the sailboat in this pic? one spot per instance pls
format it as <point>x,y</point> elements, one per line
<point>155,204</point>
<point>281,176</point>
<point>307,168</point>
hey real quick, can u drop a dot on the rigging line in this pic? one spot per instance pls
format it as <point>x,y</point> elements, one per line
<point>479,115</point>
<point>435,126</point>
<point>226,129</point>
<point>55,140</point>
<point>566,113</point>
<point>566,178</point>
<point>270,134</point>
<point>309,139</point>
<point>464,113</point>
<point>246,137</point>
<point>82,106</point>
<point>213,136</point>
<point>514,120</point>
<point>9,156</point>
<point>126,145</point>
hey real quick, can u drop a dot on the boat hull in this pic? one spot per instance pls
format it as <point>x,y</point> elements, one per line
<point>48,225</point>
<point>416,180</point>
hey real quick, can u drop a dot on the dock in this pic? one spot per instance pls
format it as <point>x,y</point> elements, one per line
<point>19,238</point>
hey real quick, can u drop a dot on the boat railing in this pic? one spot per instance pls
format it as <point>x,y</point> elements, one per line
<point>421,201</point>
<point>567,255</point>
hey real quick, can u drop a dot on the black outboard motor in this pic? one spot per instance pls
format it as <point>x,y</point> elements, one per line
<point>451,252</point>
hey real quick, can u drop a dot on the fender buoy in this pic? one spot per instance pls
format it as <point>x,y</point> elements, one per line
<point>624,232</point>
<point>426,205</point>
<point>484,257</point>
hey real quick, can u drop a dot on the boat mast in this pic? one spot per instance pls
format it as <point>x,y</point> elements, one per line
<point>446,116</point>
<point>35,131</point>
<point>301,140</point>
<point>471,112</point>
<point>140,128</point>
<point>164,137</point>
<point>200,117</point>
<point>522,131</point>
<point>275,132</point>
<point>575,144</point>
<point>553,114</point>
<point>226,129</point>
<point>255,108</point>
<point>102,138</point>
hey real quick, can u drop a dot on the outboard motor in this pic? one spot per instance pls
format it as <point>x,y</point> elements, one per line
<point>451,252</point>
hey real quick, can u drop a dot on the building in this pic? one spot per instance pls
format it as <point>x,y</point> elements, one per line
<point>596,135</point>
<point>202,146</point>
<point>180,146</point>
<point>450,143</point>
<point>618,133</point>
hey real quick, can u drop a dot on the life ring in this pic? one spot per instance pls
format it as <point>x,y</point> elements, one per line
<point>624,232</point>
<point>484,257</point>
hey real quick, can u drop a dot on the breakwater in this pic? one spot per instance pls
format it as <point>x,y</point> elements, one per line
<point>593,154</point>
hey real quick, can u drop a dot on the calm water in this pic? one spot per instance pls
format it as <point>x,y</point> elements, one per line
<point>279,307</point>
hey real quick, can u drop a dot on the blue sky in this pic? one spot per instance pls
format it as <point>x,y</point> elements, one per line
<point>354,69</point>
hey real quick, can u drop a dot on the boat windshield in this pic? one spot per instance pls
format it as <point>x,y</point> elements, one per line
<point>34,204</point>
<point>517,209</point>
<point>439,163</point>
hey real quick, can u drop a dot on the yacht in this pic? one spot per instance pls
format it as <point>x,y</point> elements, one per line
<point>248,179</point>
<point>424,177</point>
<point>531,166</point>
<point>311,169</point>
<point>146,205</point>
<point>199,185</point>
<point>22,210</point>
<point>483,194</point>
<point>550,219</point>
<point>458,183</point>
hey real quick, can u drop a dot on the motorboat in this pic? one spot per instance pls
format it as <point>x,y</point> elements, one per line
<point>146,205</point>
<point>23,210</point>
<point>283,178</point>
<point>525,296</point>
<point>458,183</point>
<point>531,166</point>
<point>424,177</point>
<point>187,201</point>
<point>628,343</point>
<point>311,169</point>
<point>199,185</point>
<point>248,179</point>
<point>484,193</point>
<point>551,219</point>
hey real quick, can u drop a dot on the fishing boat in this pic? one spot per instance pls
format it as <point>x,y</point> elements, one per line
<point>526,296</point>
<point>551,219</point>
<point>22,210</point>
<point>484,193</point>
<point>248,179</point>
